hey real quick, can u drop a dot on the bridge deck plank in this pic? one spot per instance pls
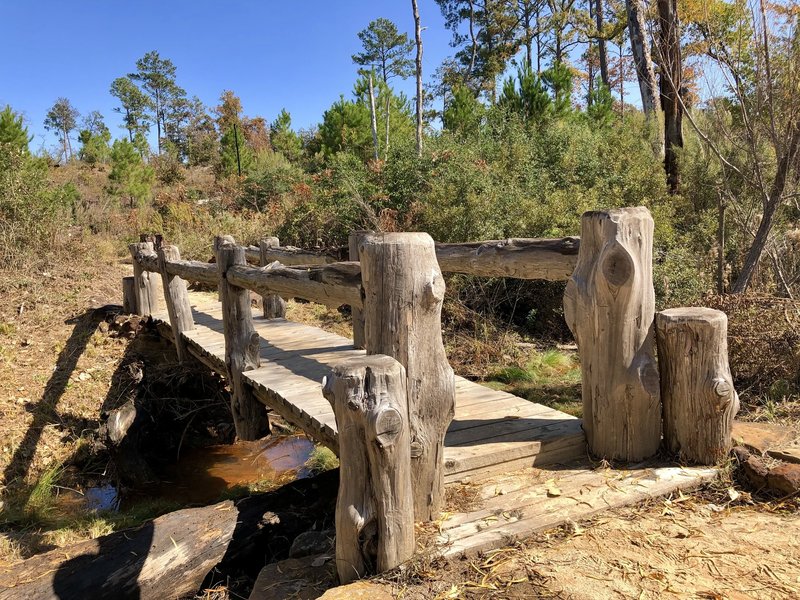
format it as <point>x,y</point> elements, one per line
<point>492,430</point>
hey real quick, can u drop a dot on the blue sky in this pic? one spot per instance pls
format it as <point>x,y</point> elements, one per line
<point>272,54</point>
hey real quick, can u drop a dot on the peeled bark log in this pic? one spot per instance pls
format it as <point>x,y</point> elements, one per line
<point>172,555</point>
<point>609,305</point>
<point>356,312</point>
<point>273,305</point>
<point>291,256</point>
<point>403,294</point>
<point>129,296</point>
<point>145,277</point>
<point>375,507</point>
<point>696,384</point>
<point>553,260</point>
<point>177,299</point>
<point>332,285</point>
<point>193,270</point>
<point>241,343</point>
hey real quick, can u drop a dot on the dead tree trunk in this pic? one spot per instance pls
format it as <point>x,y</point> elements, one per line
<point>375,507</point>
<point>671,81</point>
<point>357,313</point>
<point>696,385</point>
<point>418,73</point>
<point>241,344</point>
<point>145,283</point>
<point>177,299</point>
<point>645,74</point>
<point>609,305</point>
<point>273,305</point>
<point>403,294</point>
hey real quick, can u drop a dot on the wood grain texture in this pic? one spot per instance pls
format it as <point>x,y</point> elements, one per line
<point>697,390</point>
<point>403,295</point>
<point>609,304</point>
<point>146,280</point>
<point>521,258</point>
<point>194,270</point>
<point>359,341</point>
<point>176,297</point>
<point>241,343</point>
<point>272,305</point>
<point>129,296</point>
<point>375,506</point>
<point>331,285</point>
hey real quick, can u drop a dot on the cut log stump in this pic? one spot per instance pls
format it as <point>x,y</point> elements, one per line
<point>146,283</point>
<point>696,384</point>
<point>176,297</point>
<point>403,294</point>
<point>375,507</point>
<point>609,305</point>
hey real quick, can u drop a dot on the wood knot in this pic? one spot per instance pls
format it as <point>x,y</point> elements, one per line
<point>416,449</point>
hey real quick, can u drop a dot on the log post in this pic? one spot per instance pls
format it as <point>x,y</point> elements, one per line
<point>177,299</point>
<point>696,384</point>
<point>374,509</point>
<point>129,296</point>
<point>241,344</point>
<point>273,305</point>
<point>609,305</point>
<point>145,283</point>
<point>403,295</point>
<point>357,313</point>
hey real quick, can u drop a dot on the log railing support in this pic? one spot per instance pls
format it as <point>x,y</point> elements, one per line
<point>129,296</point>
<point>356,313</point>
<point>696,384</point>
<point>241,344</point>
<point>177,299</point>
<point>609,306</point>
<point>403,295</point>
<point>273,305</point>
<point>145,283</point>
<point>374,509</point>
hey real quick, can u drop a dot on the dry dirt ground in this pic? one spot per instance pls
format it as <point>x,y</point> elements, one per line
<point>56,364</point>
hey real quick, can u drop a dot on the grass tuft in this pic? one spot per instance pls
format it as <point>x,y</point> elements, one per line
<point>321,459</point>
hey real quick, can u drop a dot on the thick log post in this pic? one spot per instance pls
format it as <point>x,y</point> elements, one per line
<point>273,305</point>
<point>129,296</point>
<point>241,344</point>
<point>696,384</point>
<point>177,298</point>
<point>403,295</point>
<point>357,313</point>
<point>145,283</point>
<point>374,509</point>
<point>609,304</point>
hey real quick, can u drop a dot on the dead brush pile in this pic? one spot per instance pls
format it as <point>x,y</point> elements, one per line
<point>763,344</point>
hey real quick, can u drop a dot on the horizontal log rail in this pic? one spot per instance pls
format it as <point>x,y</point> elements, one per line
<point>520,258</point>
<point>291,256</point>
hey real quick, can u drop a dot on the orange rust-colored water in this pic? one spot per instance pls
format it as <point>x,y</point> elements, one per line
<point>203,475</point>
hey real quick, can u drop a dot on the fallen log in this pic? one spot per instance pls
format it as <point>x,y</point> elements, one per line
<point>170,556</point>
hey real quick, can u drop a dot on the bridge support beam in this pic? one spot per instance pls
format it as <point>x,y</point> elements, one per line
<point>241,344</point>
<point>403,295</point>
<point>374,509</point>
<point>177,299</point>
<point>273,305</point>
<point>357,314</point>
<point>145,283</point>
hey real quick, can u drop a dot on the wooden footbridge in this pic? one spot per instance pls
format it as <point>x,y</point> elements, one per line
<point>404,425</point>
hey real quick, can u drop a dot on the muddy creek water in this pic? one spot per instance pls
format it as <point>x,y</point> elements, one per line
<point>205,475</point>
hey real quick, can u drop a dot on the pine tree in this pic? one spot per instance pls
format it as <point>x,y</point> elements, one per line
<point>13,132</point>
<point>157,77</point>
<point>129,176</point>
<point>62,118</point>
<point>134,106</point>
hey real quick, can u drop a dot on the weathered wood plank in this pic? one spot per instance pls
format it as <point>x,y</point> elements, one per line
<point>551,259</point>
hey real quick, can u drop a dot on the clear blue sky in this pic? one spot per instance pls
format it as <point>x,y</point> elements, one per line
<point>272,54</point>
